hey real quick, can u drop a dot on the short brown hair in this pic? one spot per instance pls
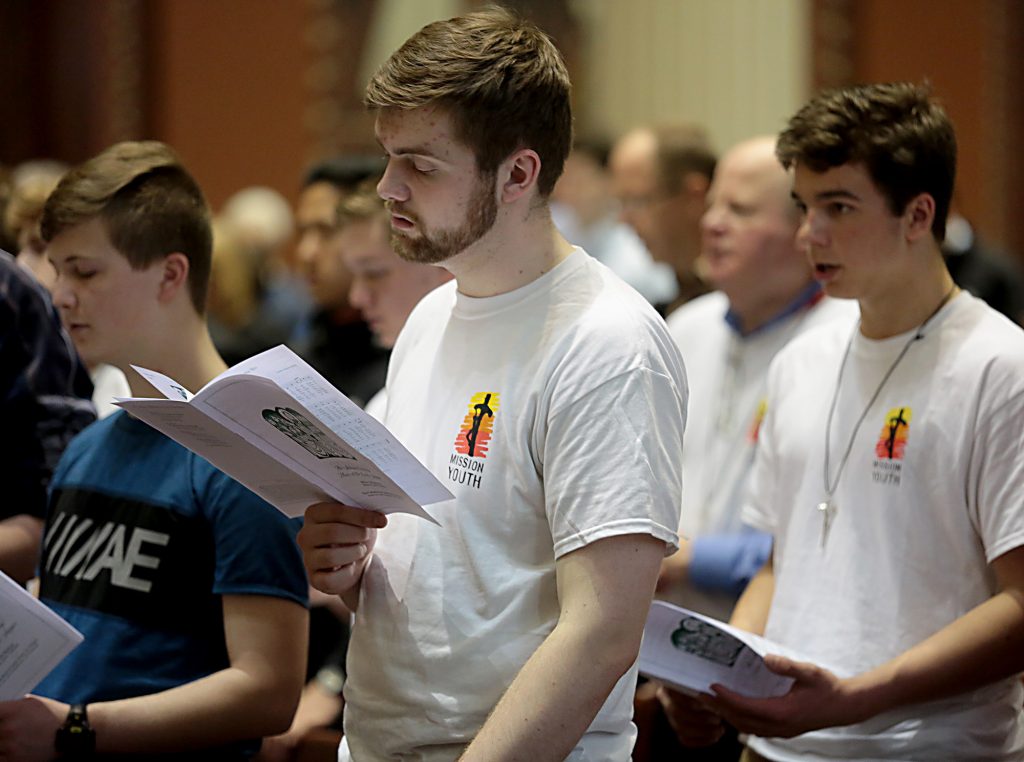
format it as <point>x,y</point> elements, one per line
<point>364,203</point>
<point>682,149</point>
<point>896,130</point>
<point>151,207</point>
<point>501,79</point>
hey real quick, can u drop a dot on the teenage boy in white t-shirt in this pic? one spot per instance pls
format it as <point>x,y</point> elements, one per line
<point>548,397</point>
<point>889,467</point>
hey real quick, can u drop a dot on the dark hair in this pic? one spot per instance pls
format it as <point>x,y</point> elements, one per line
<point>499,77</point>
<point>598,149</point>
<point>151,207</point>
<point>346,173</point>
<point>896,130</point>
<point>361,205</point>
<point>682,149</point>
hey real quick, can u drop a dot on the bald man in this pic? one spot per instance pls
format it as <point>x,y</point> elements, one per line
<point>661,176</point>
<point>765,295</point>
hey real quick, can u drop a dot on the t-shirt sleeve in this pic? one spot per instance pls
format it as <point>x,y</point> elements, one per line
<point>996,476</point>
<point>256,553</point>
<point>612,462</point>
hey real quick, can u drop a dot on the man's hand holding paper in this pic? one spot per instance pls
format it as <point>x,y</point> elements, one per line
<point>337,542</point>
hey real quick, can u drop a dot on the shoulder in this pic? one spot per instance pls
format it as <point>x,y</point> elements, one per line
<point>699,321</point>
<point>440,300</point>
<point>699,311</point>
<point>599,332</point>
<point>96,437</point>
<point>981,341</point>
<point>216,491</point>
<point>599,311</point>
<point>28,313</point>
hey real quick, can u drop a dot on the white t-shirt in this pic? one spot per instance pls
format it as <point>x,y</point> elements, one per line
<point>378,404</point>
<point>554,413</point>
<point>930,495</point>
<point>727,374</point>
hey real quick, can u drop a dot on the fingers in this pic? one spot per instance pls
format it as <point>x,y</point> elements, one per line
<point>313,536</point>
<point>321,513</point>
<point>336,581</point>
<point>330,525</point>
<point>336,540</point>
<point>694,724</point>
<point>767,717</point>
<point>800,670</point>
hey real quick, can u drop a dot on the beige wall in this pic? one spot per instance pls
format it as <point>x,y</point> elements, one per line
<point>740,67</point>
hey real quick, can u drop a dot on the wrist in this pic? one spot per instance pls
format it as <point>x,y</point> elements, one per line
<point>75,738</point>
<point>867,696</point>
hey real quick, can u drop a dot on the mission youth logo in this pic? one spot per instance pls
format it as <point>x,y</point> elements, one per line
<point>466,465</point>
<point>891,447</point>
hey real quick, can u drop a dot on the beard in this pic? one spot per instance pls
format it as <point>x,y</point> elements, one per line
<point>433,247</point>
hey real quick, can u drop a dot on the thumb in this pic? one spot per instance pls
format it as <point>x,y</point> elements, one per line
<point>786,667</point>
<point>782,665</point>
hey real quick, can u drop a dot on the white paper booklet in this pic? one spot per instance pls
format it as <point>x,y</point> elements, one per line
<point>690,652</point>
<point>277,426</point>
<point>33,640</point>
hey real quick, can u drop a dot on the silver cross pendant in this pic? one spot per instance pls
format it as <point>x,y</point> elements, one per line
<point>827,510</point>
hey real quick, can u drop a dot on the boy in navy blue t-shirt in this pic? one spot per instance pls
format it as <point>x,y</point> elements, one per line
<point>189,589</point>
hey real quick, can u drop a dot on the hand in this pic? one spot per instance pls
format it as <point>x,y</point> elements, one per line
<point>695,725</point>
<point>336,541</point>
<point>28,728</point>
<point>277,749</point>
<point>817,699</point>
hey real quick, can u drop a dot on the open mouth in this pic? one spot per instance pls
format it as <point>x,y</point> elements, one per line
<point>826,274</point>
<point>399,222</point>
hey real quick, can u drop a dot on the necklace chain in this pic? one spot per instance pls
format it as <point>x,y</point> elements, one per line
<point>831,486</point>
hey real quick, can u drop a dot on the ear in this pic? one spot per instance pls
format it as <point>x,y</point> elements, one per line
<point>918,216</point>
<point>695,188</point>
<point>518,173</point>
<point>174,271</point>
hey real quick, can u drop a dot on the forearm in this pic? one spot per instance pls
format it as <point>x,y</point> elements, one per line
<point>553,699</point>
<point>751,610</point>
<point>254,696</point>
<point>981,647</point>
<point>20,541</point>
<point>222,708</point>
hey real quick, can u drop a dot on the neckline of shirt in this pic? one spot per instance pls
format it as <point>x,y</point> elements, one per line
<point>476,307</point>
<point>871,348</point>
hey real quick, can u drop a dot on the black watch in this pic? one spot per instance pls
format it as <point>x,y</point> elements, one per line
<point>75,738</point>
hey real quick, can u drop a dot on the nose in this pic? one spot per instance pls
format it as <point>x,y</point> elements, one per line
<point>305,252</point>
<point>62,293</point>
<point>358,294</point>
<point>392,186</point>
<point>813,230</point>
<point>712,221</point>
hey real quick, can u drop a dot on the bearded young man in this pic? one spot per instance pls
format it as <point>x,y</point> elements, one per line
<point>545,394</point>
